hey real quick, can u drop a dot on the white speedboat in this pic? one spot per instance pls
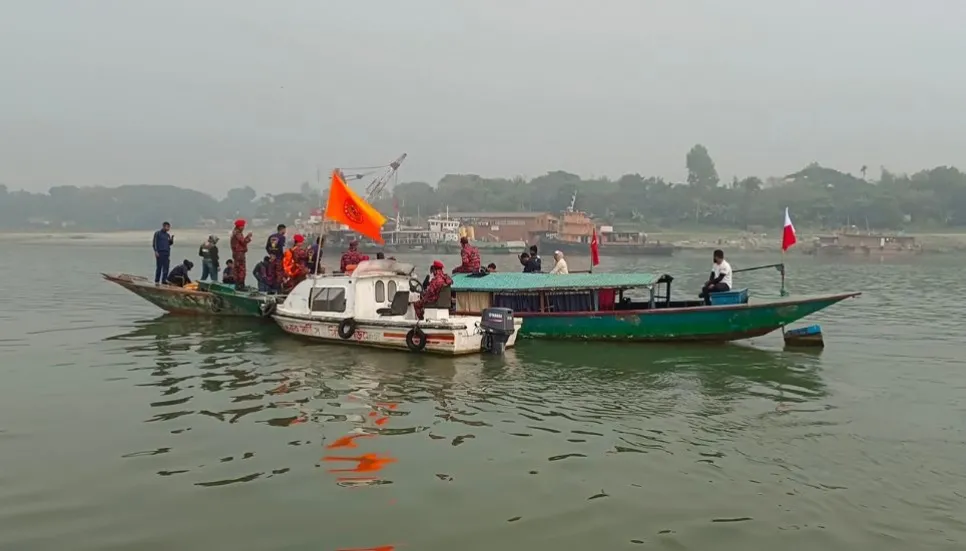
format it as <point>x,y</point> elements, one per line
<point>372,306</point>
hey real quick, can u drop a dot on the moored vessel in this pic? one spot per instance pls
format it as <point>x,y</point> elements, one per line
<point>603,307</point>
<point>373,306</point>
<point>209,299</point>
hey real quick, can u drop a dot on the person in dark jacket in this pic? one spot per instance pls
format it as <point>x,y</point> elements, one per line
<point>228,277</point>
<point>208,252</point>
<point>531,265</point>
<point>161,243</point>
<point>275,248</point>
<point>261,273</point>
<point>179,275</point>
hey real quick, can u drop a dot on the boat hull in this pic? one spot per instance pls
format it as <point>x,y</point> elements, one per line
<point>709,324</point>
<point>213,301</point>
<point>441,338</point>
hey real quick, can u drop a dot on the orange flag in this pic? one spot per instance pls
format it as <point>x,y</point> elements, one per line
<point>348,208</point>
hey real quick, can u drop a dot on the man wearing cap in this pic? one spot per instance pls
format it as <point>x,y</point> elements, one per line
<point>162,253</point>
<point>239,248</point>
<point>437,281</point>
<point>351,257</point>
<point>312,260</point>
<point>560,265</point>
<point>295,262</point>
<point>275,247</point>
<point>179,275</point>
<point>470,256</point>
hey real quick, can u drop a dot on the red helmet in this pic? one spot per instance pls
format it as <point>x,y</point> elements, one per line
<point>240,223</point>
<point>298,238</point>
<point>438,265</point>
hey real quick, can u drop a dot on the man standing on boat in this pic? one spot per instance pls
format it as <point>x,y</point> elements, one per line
<point>208,251</point>
<point>261,275</point>
<point>535,262</point>
<point>162,242</point>
<point>352,257</point>
<point>239,248</point>
<point>295,262</point>
<point>531,264</point>
<point>720,279</point>
<point>275,247</point>
<point>437,281</point>
<point>312,260</point>
<point>470,256</point>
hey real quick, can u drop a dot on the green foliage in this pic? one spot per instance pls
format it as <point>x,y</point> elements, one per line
<point>701,171</point>
<point>817,196</point>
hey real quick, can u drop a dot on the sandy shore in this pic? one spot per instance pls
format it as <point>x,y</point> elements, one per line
<point>703,240</point>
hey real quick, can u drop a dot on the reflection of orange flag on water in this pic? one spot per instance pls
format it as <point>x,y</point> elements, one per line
<point>348,208</point>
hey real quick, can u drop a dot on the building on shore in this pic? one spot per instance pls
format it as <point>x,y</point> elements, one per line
<point>507,226</point>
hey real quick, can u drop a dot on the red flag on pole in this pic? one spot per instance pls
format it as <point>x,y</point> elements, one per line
<point>594,250</point>
<point>788,234</point>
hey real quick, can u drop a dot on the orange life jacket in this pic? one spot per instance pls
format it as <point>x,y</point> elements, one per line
<point>288,263</point>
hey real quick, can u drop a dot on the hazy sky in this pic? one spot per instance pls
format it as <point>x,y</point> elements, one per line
<point>214,94</point>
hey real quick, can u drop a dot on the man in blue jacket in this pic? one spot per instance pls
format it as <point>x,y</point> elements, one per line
<point>162,252</point>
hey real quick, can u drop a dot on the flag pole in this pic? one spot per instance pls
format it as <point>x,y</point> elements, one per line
<point>321,237</point>
<point>783,292</point>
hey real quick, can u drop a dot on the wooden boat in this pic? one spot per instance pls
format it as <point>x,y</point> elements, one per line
<point>372,307</point>
<point>211,299</point>
<point>594,307</point>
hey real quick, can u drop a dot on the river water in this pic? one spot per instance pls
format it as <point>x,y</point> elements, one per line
<point>122,428</point>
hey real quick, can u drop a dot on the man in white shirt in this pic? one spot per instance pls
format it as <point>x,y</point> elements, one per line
<point>720,279</point>
<point>560,267</point>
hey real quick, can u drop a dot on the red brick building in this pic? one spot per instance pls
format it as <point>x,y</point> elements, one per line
<point>507,226</point>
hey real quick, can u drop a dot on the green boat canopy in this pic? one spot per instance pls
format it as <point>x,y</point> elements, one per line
<point>520,282</point>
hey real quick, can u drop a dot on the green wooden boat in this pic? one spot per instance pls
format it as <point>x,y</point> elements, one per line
<point>594,307</point>
<point>210,299</point>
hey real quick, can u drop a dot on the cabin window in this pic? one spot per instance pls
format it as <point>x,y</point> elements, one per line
<point>328,299</point>
<point>518,302</point>
<point>576,301</point>
<point>392,289</point>
<point>381,291</point>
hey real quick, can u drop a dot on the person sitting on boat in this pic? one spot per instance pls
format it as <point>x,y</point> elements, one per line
<point>275,247</point>
<point>261,273</point>
<point>491,268</point>
<point>228,276</point>
<point>560,266</point>
<point>531,265</point>
<point>720,279</point>
<point>294,262</point>
<point>209,258</point>
<point>470,256</point>
<point>437,281</point>
<point>352,257</point>
<point>239,248</point>
<point>178,276</point>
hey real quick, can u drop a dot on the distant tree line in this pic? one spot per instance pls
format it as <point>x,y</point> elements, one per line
<point>818,197</point>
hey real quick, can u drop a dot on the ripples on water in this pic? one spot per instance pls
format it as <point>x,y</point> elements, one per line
<point>181,433</point>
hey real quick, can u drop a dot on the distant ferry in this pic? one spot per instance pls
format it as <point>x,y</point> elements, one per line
<point>854,243</point>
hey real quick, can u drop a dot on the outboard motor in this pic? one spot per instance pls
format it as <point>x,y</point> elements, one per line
<point>497,328</point>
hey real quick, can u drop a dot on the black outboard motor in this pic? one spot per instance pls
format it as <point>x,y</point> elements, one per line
<point>497,328</point>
